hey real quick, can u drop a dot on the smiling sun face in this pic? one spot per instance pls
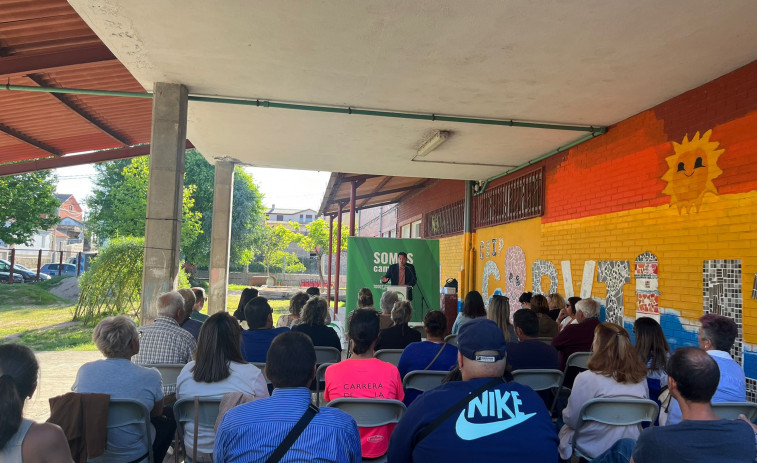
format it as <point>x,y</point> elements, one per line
<point>691,171</point>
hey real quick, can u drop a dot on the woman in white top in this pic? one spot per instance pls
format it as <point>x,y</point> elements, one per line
<point>218,368</point>
<point>615,370</point>
<point>23,440</point>
<point>567,315</point>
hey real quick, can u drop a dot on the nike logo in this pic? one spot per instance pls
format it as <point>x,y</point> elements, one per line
<point>470,431</point>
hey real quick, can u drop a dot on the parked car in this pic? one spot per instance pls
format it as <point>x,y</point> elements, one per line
<point>27,275</point>
<point>5,276</point>
<point>65,269</point>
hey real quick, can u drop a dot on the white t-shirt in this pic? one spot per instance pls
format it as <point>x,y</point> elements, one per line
<point>245,378</point>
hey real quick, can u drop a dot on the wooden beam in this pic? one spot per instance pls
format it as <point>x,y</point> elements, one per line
<point>378,188</point>
<point>52,61</point>
<point>10,131</point>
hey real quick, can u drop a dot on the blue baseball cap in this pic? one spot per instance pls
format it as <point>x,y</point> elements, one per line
<point>481,340</point>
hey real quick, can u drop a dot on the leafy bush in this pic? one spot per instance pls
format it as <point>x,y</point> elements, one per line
<point>113,284</point>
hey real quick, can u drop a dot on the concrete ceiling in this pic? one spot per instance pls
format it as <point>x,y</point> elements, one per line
<point>588,62</point>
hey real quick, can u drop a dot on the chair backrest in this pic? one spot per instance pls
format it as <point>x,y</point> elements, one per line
<point>371,412</point>
<point>579,360</point>
<point>451,339</point>
<point>546,340</point>
<point>207,412</point>
<point>389,355</point>
<point>538,380</point>
<point>169,372</point>
<point>327,355</point>
<point>123,412</point>
<point>732,410</point>
<point>619,411</point>
<point>320,377</point>
<point>261,367</point>
<point>421,330</point>
<point>423,380</point>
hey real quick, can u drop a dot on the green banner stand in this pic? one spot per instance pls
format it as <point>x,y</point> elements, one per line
<point>369,258</point>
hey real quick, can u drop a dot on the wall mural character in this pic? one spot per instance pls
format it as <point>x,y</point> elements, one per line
<point>515,276</point>
<point>614,273</point>
<point>539,269</point>
<point>691,170</point>
<point>647,294</point>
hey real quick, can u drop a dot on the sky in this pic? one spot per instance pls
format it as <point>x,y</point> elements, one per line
<point>288,189</point>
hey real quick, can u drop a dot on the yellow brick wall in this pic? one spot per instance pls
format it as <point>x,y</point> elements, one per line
<point>451,257</point>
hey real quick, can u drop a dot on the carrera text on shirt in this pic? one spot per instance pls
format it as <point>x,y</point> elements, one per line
<point>490,413</point>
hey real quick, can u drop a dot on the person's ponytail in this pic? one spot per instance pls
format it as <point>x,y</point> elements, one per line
<point>18,379</point>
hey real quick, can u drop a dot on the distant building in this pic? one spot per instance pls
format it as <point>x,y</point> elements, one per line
<point>378,222</point>
<point>284,216</point>
<point>67,235</point>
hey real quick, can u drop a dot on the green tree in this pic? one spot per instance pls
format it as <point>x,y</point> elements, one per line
<point>118,204</point>
<point>317,241</point>
<point>28,205</point>
<point>246,215</point>
<point>270,246</point>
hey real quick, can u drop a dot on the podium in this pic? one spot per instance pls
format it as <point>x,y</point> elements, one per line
<point>404,292</point>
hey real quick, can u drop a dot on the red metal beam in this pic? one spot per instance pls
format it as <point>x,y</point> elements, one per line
<point>10,131</point>
<point>46,62</point>
<point>353,193</point>
<point>378,188</point>
<point>331,247</point>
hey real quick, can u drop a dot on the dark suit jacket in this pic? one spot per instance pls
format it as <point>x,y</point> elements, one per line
<point>393,273</point>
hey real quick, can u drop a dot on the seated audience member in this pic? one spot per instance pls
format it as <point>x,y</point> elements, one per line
<point>473,307</point>
<point>193,326</point>
<point>365,299</point>
<point>363,376</point>
<point>248,294</point>
<point>693,378</point>
<point>296,303</point>
<point>258,337</point>
<point>431,354</point>
<point>117,339</point>
<point>253,431</point>
<point>164,341</point>
<point>556,305</point>
<point>388,299</point>
<point>218,368</point>
<point>199,303</point>
<point>401,334</point>
<point>578,337</point>
<point>530,353</point>
<point>567,315</point>
<point>516,428</point>
<point>312,324</point>
<point>653,349</point>
<point>547,326</point>
<point>499,313</point>
<point>313,291</point>
<point>21,439</point>
<point>615,370</point>
<point>525,300</point>
<point>716,336</point>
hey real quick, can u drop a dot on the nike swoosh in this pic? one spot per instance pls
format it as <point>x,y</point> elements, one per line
<point>469,431</point>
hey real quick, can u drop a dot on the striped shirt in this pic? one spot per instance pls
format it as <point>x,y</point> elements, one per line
<point>164,341</point>
<point>252,431</point>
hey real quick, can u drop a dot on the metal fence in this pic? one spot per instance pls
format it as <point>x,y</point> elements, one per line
<point>35,259</point>
<point>518,199</point>
<point>447,220</point>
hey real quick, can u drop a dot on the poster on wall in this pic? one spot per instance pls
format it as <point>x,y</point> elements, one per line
<point>368,259</point>
<point>647,294</point>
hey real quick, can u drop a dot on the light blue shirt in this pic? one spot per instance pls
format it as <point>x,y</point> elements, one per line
<point>252,431</point>
<point>731,388</point>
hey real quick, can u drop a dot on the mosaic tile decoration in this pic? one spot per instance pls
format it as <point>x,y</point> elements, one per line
<point>614,273</point>
<point>721,283</point>
<point>751,390</point>
<point>567,279</point>
<point>515,276</point>
<point>647,294</point>
<point>490,270</point>
<point>542,268</point>
<point>754,287</point>
<point>587,280</point>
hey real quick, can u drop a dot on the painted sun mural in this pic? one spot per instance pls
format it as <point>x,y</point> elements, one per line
<point>691,170</point>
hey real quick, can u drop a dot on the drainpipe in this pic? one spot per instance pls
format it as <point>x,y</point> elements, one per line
<point>467,280</point>
<point>331,247</point>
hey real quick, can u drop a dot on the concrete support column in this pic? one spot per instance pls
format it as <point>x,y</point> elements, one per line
<point>165,195</point>
<point>220,236</point>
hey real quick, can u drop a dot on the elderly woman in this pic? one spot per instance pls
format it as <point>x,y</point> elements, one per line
<point>615,370</point>
<point>218,368</point>
<point>473,307</point>
<point>23,440</point>
<point>118,341</point>
<point>388,299</point>
<point>296,303</point>
<point>313,324</point>
<point>399,335</point>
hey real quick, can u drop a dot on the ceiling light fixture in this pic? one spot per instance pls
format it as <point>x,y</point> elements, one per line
<point>439,137</point>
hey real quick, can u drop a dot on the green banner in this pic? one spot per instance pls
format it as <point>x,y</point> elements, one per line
<point>369,258</point>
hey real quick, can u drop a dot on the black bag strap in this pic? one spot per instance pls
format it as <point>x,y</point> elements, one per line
<point>436,356</point>
<point>429,428</point>
<point>291,438</point>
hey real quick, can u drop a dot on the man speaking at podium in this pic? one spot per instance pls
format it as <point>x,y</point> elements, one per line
<point>402,273</point>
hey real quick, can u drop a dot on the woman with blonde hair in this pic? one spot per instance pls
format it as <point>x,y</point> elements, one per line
<point>615,370</point>
<point>499,312</point>
<point>556,304</point>
<point>296,303</point>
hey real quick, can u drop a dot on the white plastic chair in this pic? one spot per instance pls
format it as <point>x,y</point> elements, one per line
<point>732,410</point>
<point>540,380</point>
<point>261,367</point>
<point>615,412</point>
<point>423,380</point>
<point>169,372</point>
<point>124,412</point>
<point>207,413</point>
<point>370,413</point>
<point>389,355</point>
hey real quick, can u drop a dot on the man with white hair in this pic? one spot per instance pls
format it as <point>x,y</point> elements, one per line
<point>164,341</point>
<point>482,417</point>
<point>578,337</point>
